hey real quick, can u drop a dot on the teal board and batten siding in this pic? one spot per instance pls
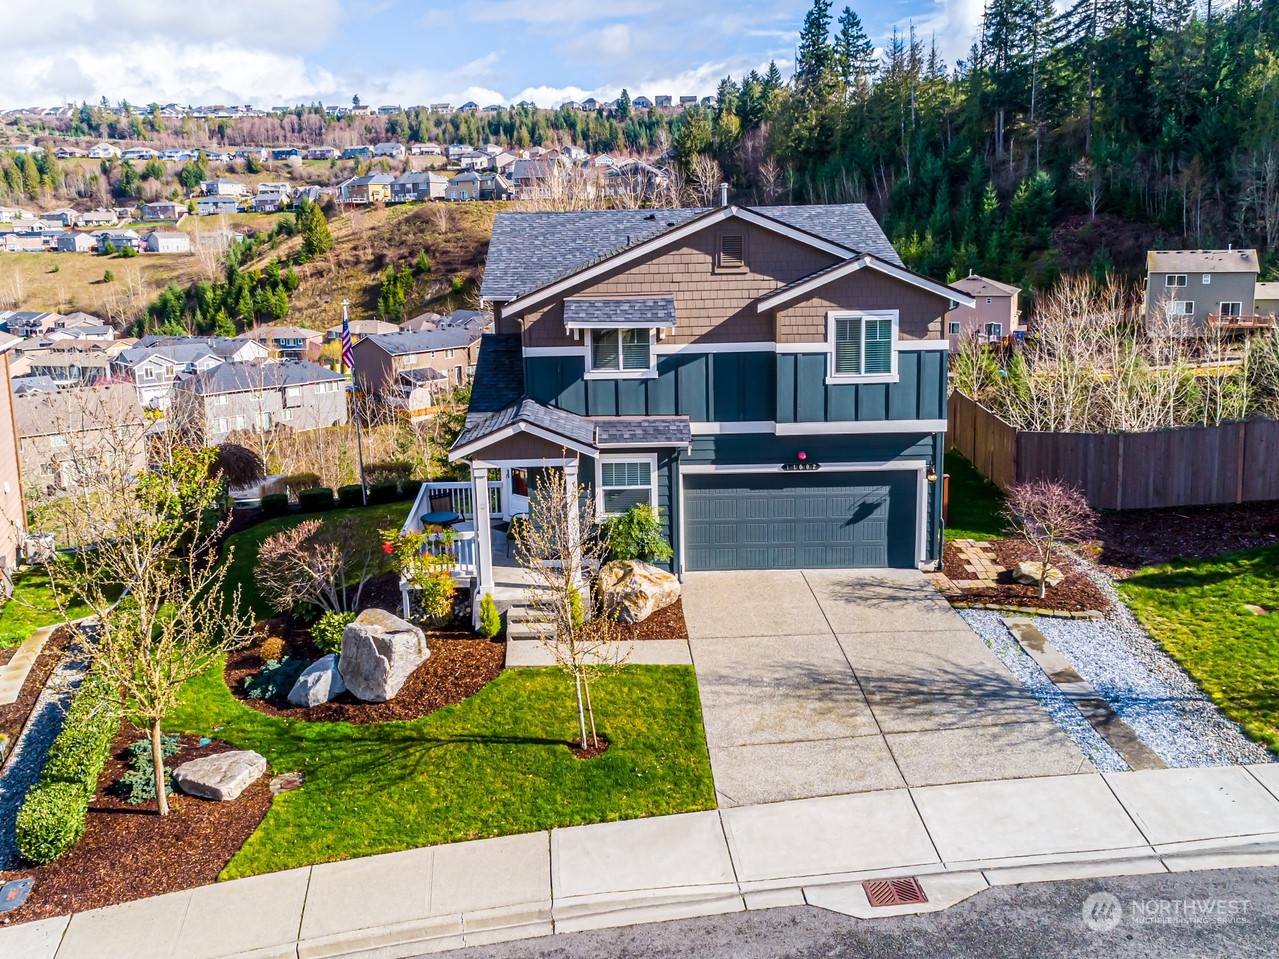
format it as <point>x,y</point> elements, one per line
<point>733,387</point>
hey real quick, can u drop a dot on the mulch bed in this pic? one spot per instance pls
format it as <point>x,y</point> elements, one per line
<point>666,623</point>
<point>598,748</point>
<point>460,666</point>
<point>1076,593</point>
<point>14,716</point>
<point>128,851</point>
<point>1147,537</point>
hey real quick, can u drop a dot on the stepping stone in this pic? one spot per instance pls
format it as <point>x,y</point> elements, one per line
<point>222,776</point>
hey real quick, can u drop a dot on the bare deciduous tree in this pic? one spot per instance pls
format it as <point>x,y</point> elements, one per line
<point>317,563</point>
<point>1049,515</point>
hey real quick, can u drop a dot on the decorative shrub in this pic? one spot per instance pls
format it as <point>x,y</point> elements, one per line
<point>275,504</point>
<point>50,821</point>
<point>328,629</point>
<point>490,618</point>
<point>387,491</point>
<point>637,534</point>
<point>271,648</point>
<point>389,471</point>
<point>275,679</point>
<point>419,559</point>
<point>138,784</point>
<point>295,483</point>
<point>351,495</point>
<point>315,500</point>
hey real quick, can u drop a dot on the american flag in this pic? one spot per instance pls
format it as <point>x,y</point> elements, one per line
<point>348,354</point>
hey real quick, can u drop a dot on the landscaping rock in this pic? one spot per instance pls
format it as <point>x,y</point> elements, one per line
<point>634,591</point>
<point>319,682</point>
<point>379,653</point>
<point>222,776</point>
<point>1028,573</point>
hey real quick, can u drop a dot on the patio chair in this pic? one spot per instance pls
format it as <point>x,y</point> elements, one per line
<point>442,502</point>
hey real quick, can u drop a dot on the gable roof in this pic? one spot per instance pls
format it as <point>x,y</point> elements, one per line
<point>1202,261</point>
<point>526,415</point>
<point>247,377</point>
<point>800,288</point>
<point>984,286</point>
<point>405,342</point>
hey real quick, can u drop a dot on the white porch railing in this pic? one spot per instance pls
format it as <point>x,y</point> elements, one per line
<point>460,549</point>
<point>463,496</point>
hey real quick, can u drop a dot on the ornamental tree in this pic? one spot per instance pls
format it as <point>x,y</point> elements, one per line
<point>1048,514</point>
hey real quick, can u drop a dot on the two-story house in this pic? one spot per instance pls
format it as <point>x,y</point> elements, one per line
<point>162,210</point>
<point>772,380</point>
<point>286,342</point>
<point>418,186</point>
<point>392,366</point>
<point>1202,288</point>
<point>154,363</point>
<point>65,432</point>
<point>215,205</point>
<point>259,396</point>
<point>374,188</point>
<point>994,316</point>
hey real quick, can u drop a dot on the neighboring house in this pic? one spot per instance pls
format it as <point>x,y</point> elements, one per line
<point>72,242</point>
<point>1202,288</point>
<point>662,101</point>
<point>642,103</point>
<point>360,329</point>
<point>425,321</point>
<point>464,186</point>
<point>103,151</point>
<point>389,149</point>
<point>68,363</point>
<point>268,202</point>
<point>26,242</point>
<point>533,177</point>
<point>419,186</point>
<point>63,433</point>
<point>118,239</point>
<point>98,218</point>
<point>28,323</point>
<point>65,217</point>
<point>12,512</point>
<point>357,153</point>
<point>286,342</point>
<point>154,363</point>
<point>373,188</point>
<point>397,367</point>
<point>286,153</point>
<point>223,187</point>
<point>1267,299</point>
<point>475,160</point>
<point>494,186</point>
<point>163,210</point>
<point>260,396</point>
<point>168,241</point>
<point>282,188</point>
<point>140,153</point>
<point>994,315</point>
<point>426,150</point>
<point>322,153</point>
<point>773,381</point>
<point>214,205</point>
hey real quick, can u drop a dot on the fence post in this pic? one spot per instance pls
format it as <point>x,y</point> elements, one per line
<point>1240,461</point>
<point>1119,474</point>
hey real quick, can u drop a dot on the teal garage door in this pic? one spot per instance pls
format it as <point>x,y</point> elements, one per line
<point>800,520</point>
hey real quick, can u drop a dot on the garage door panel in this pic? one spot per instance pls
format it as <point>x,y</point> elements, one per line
<point>775,521</point>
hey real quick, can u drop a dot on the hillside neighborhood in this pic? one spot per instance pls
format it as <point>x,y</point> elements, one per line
<point>834,515</point>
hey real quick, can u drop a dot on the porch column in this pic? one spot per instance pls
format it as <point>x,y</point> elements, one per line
<point>574,526</point>
<point>483,534</point>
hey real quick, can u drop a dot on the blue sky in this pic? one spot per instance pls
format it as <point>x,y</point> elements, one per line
<point>268,52</point>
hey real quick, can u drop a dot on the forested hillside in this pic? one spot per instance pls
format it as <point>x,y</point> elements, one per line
<point>1068,140</point>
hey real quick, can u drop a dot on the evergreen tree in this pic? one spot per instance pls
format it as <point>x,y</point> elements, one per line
<point>854,56</point>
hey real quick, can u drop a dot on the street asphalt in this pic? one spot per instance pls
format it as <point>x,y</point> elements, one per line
<point>1222,914</point>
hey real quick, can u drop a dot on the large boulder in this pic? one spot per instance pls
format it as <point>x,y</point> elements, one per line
<point>319,682</point>
<point>222,776</point>
<point>379,652</point>
<point>633,591</point>
<point>1029,572</point>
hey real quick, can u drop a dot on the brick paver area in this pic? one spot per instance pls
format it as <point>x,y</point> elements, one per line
<point>978,562</point>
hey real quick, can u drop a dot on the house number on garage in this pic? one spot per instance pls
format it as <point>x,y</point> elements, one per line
<point>801,466</point>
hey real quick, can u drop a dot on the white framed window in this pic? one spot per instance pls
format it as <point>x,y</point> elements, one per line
<point>1230,308</point>
<point>1175,279</point>
<point>955,328</point>
<point>620,353</point>
<point>220,399</point>
<point>994,329</point>
<point>57,441</point>
<point>410,359</point>
<point>862,346</point>
<point>1181,307</point>
<point>448,355</point>
<point>622,482</point>
<point>1207,279</point>
<point>988,301</point>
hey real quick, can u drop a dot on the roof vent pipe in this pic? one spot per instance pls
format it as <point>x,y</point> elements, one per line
<point>723,194</point>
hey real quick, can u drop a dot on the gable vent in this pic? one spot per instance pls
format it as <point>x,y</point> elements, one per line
<point>731,253</point>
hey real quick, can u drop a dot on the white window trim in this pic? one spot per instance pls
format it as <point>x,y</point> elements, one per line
<point>1187,307</point>
<point>650,459</point>
<point>1221,311</point>
<point>1168,280</point>
<point>997,331</point>
<point>594,374</point>
<point>833,378</point>
<point>954,328</point>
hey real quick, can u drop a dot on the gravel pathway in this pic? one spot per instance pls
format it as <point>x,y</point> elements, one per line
<point>990,627</point>
<point>23,768</point>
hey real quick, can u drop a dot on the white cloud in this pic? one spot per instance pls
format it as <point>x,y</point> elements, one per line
<point>558,11</point>
<point>954,23</point>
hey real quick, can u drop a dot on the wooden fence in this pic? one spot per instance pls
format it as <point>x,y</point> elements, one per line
<point>1190,466</point>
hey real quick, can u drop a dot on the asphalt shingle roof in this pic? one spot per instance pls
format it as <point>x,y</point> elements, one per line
<point>560,422</point>
<point>642,430</point>
<point>423,341</point>
<point>640,311</point>
<point>245,377</point>
<point>499,375</point>
<point>531,250</point>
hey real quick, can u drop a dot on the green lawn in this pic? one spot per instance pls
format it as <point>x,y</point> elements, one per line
<point>1196,610</point>
<point>493,765</point>
<point>975,502</point>
<point>246,544</point>
<point>32,606</point>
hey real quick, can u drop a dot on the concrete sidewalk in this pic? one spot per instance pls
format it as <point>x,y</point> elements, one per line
<point>958,839</point>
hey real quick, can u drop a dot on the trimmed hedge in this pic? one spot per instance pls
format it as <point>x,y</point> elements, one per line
<point>52,816</point>
<point>385,492</point>
<point>316,500</point>
<point>352,495</point>
<point>275,504</point>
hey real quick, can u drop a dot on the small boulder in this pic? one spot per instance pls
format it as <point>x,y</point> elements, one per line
<point>222,776</point>
<point>1028,573</point>
<point>633,591</point>
<point>379,653</point>
<point>319,682</point>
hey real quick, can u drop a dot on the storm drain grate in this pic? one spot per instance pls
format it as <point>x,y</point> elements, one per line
<point>894,892</point>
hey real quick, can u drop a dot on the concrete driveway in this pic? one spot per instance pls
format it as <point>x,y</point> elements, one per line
<point>817,683</point>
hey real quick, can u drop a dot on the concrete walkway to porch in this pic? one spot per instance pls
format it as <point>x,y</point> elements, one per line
<point>818,683</point>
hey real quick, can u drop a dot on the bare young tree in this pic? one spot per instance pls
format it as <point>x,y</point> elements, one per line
<point>562,543</point>
<point>1049,515</point>
<point>704,180</point>
<point>317,563</point>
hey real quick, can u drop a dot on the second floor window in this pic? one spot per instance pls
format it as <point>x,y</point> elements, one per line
<point>863,345</point>
<point>619,351</point>
<point>1175,279</point>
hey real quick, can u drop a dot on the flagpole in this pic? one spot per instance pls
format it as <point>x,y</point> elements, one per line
<point>355,404</point>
